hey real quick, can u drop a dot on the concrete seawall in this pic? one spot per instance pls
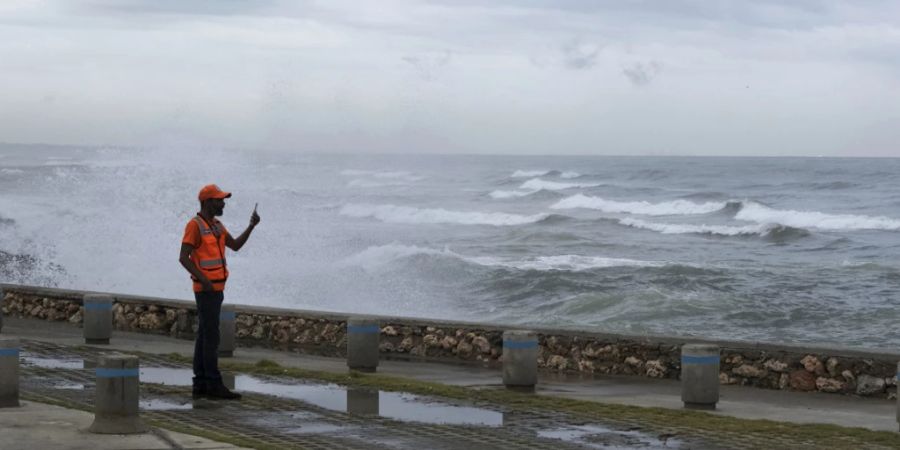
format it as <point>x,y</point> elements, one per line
<point>770,366</point>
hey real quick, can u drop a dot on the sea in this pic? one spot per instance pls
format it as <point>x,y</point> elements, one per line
<point>776,250</point>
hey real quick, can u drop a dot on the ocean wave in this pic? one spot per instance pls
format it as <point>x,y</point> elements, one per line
<point>536,184</point>
<point>569,175</point>
<point>377,256</point>
<point>569,263</point>
<point>771,230</point>
<point>410,215</point>
<point>756,212</point>
<point>11,171</point>
<point>529,173</point>
<point>671,208</point>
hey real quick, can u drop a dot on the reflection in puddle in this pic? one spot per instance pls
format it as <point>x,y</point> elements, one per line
<point>163,405</point>
<point>595,436</point>
<point>54,363</point>
<point>69,386</point>
<point>393,405</point>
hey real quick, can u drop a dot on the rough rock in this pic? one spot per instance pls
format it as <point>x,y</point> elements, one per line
<point>749,371</point>
<point>775,365</point>
<point>812,364</point>
<point>829,385</point>
<point>431,340</point>
<point>869,385</point>
<point>832,366</point>
<point>656,369</point>
<point>802,380</point>
<point>482,345</point>
<point>558,362</point>
<point>389,331</point>
<point>464,349</point>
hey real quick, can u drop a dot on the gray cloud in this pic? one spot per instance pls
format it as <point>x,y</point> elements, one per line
<point>580,55</point>
<point>641,74</point>
<point>177,7</point>
<point>428,65</point>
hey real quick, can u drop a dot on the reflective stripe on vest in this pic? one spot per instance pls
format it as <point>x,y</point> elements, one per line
<point>209,257</point>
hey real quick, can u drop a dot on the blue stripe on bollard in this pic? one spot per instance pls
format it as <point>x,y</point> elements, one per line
<point>9,352</point>
<point>227,315</point>
<point>363,329</point>
<point>117,373</point>
<point>518,345</point>
<point>700,359</point>
<point>97,306</point>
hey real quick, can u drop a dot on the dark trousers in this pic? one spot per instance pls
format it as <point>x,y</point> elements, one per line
<point>206,347</point>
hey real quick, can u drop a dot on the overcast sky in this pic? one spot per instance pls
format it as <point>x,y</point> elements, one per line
<point>495,76</point>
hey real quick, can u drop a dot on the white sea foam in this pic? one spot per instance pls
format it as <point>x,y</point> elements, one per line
<point>406,214</point>
<point>684,228</point>
<point>569,174</point>
<point>536,184</point>
<point>377,256</point>
<point>755,212</point>
<point>675,207</point>
<point>510,194</point>
<point>572,263</point>
<point>11,171</point>
<point>529,173</point>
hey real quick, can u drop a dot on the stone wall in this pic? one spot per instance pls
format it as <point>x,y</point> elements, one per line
<point>760,365</point>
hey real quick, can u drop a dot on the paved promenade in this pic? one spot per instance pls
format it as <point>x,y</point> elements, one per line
<point>282,412</point>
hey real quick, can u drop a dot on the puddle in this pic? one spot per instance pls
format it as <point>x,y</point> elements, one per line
<point>54,363</point>
<point>163,405</point>
<point>393,405</point>
<point>595,436</point>
<point>69,386</point>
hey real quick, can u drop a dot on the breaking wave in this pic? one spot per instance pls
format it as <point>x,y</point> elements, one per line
<point>377,256</point>
<point>755,212</point>
<point>529,173</point>
<point>675,207</point>
<point>410,215</point>
<point>536,185</point>
<point>770,230</point>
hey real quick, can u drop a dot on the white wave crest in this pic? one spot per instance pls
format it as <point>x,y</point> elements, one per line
<point>529,173</point>
<point>684,228</point>
<point>11,171</point>
<point>755,212</point>
<point>536,184</point>
<point>377,256</point>
<point>569,174</point>
<point>571,263</point>
<point>510,194</point>
<point>380,255</point>
<point>675,207</point>
<point>406,214</point>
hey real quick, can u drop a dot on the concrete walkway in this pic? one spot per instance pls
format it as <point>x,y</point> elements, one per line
<point>38,426</point>
<point>751,403</point>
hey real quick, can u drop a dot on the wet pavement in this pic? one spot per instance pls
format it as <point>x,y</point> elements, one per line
<point>285,412</point>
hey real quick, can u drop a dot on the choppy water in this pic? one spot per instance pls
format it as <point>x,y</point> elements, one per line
<point>769,249</point>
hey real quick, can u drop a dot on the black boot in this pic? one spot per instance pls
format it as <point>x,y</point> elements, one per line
<point>220,392</point>
<point>200,388</point>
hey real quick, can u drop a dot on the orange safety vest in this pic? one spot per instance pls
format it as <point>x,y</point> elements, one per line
<point>209,257</point>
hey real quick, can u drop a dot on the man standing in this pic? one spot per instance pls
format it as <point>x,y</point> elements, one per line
<point>203,255</point>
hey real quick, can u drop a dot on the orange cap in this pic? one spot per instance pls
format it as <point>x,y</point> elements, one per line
<point>212,191</point>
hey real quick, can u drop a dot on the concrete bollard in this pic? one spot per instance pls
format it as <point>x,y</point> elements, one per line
<point>363,335</point>
<point>2,295</point>
<point>226,331</point>
<point>118,392</point>
<point>97,318</point>
<point>362,402</point>
<point>9,373</point>
<point>520,352</point>
<point>898,392</point>
<point>700,376</point>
